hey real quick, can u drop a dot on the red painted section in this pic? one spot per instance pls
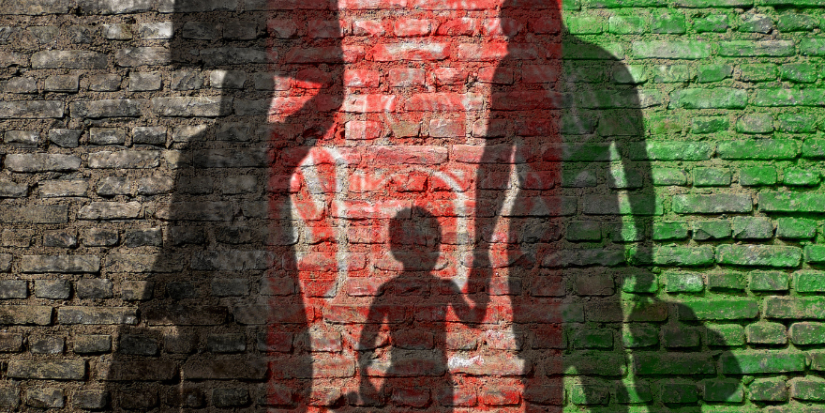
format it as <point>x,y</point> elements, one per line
<point>394,148</point>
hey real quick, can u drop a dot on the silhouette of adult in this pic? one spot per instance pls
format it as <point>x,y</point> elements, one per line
<point>414,366</point>
<point>565,175</point>
<point>252,88</point>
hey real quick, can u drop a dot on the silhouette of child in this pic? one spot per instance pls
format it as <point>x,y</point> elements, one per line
<point>413,306</point>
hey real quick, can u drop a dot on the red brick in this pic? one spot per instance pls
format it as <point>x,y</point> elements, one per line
<point>406,77</point>
<point>446,102</point>
<point>490,52</point>
<point>312,79</point>
<point>497,75</point>
<point>446,128</point>
<point>415,397</point>
<point>450,76</point>
<point>282,28</point>
<point>413,27</point>
<point>358,313</point>
<point>499,364</point>
<point>413,182</point>
<point>502,27</point>
<point>325,28</point>
<point>315,55</point>
<point>458,27</point>
<point>363,130</point>
<point>501,394</point>
<point>370,103</point>
<point>362,78</point>
<point>373,28</point>
<point>406,155</point>
<point>540,73</point>
<point>454,4</point>
<point>391,52</point>
<point>545,25</point>
<point>371,4</point>
<point>288,106</point>
<point>460,396</point>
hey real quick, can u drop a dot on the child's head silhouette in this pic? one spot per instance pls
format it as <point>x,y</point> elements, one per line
<point>415,237</point>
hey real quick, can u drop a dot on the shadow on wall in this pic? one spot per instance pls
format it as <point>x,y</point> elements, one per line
<point>224,322</point>
<point>223,301</point>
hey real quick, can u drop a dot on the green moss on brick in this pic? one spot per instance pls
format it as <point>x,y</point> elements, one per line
<point>670,73</point>
<point>674,364</point>
<point>713,73</point>
<point>627,24</point>
<point>715,23</point>
<point>759,72</point>
<point>712,204</point>
<point>668,177</point>
<point>726,281</point>
<point>770,201</point>
<point>724,391</point>
<point>797,123</point>
<point>813,148</point>
<point>807,333</point>
<point>800,177</point>
<point>759,149</point>
<point>681,282</point>
<point>711,230</point>
<point>679,393</point>
<point>795,228</point>
<point>808,390</point>
<point>667,231</point>
<point>668,24</point>
<point>717,98</point>
<point>809,281</point>
<point>640,335</point>
<point>759,255</point>
<point>752,228</point>
<point>800,72</point>
<point>757,175</point>
<point>815,254</point>
<point>592,338</point>
<point>796,308</point>
<point>751,48</point>
<point>812,46</point>
<point>755,123</point>
<point>585,25</point>
<point>718,309</point>
<point>793,22</point>
<point>711,177</point>
<point>725,335</point>
<point>709,124</point>
<point>683,256</point>
<point>766,333</point>
<point>768,390</point>
<point>762,362</point>
<point>589,394</point>
<point>768,281</point>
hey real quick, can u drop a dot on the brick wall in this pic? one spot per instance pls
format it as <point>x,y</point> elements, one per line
<point>412,205</point>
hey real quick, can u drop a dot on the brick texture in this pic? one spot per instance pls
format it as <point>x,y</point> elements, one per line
<point>411,205</point>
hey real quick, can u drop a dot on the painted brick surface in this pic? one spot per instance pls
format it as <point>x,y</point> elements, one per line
<point>411,205</point>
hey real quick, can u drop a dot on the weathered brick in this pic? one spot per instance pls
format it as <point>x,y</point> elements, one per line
<point>40,162</point>
<point>44,369</point>
<point>69,59</point>
<point>759,255</point>
<point>108,108</point>
<point>96,315</point>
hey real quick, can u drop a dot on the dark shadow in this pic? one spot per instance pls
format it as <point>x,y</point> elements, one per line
<point>565,170</point>
<point>221,319</point>
<point>414,368</point>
